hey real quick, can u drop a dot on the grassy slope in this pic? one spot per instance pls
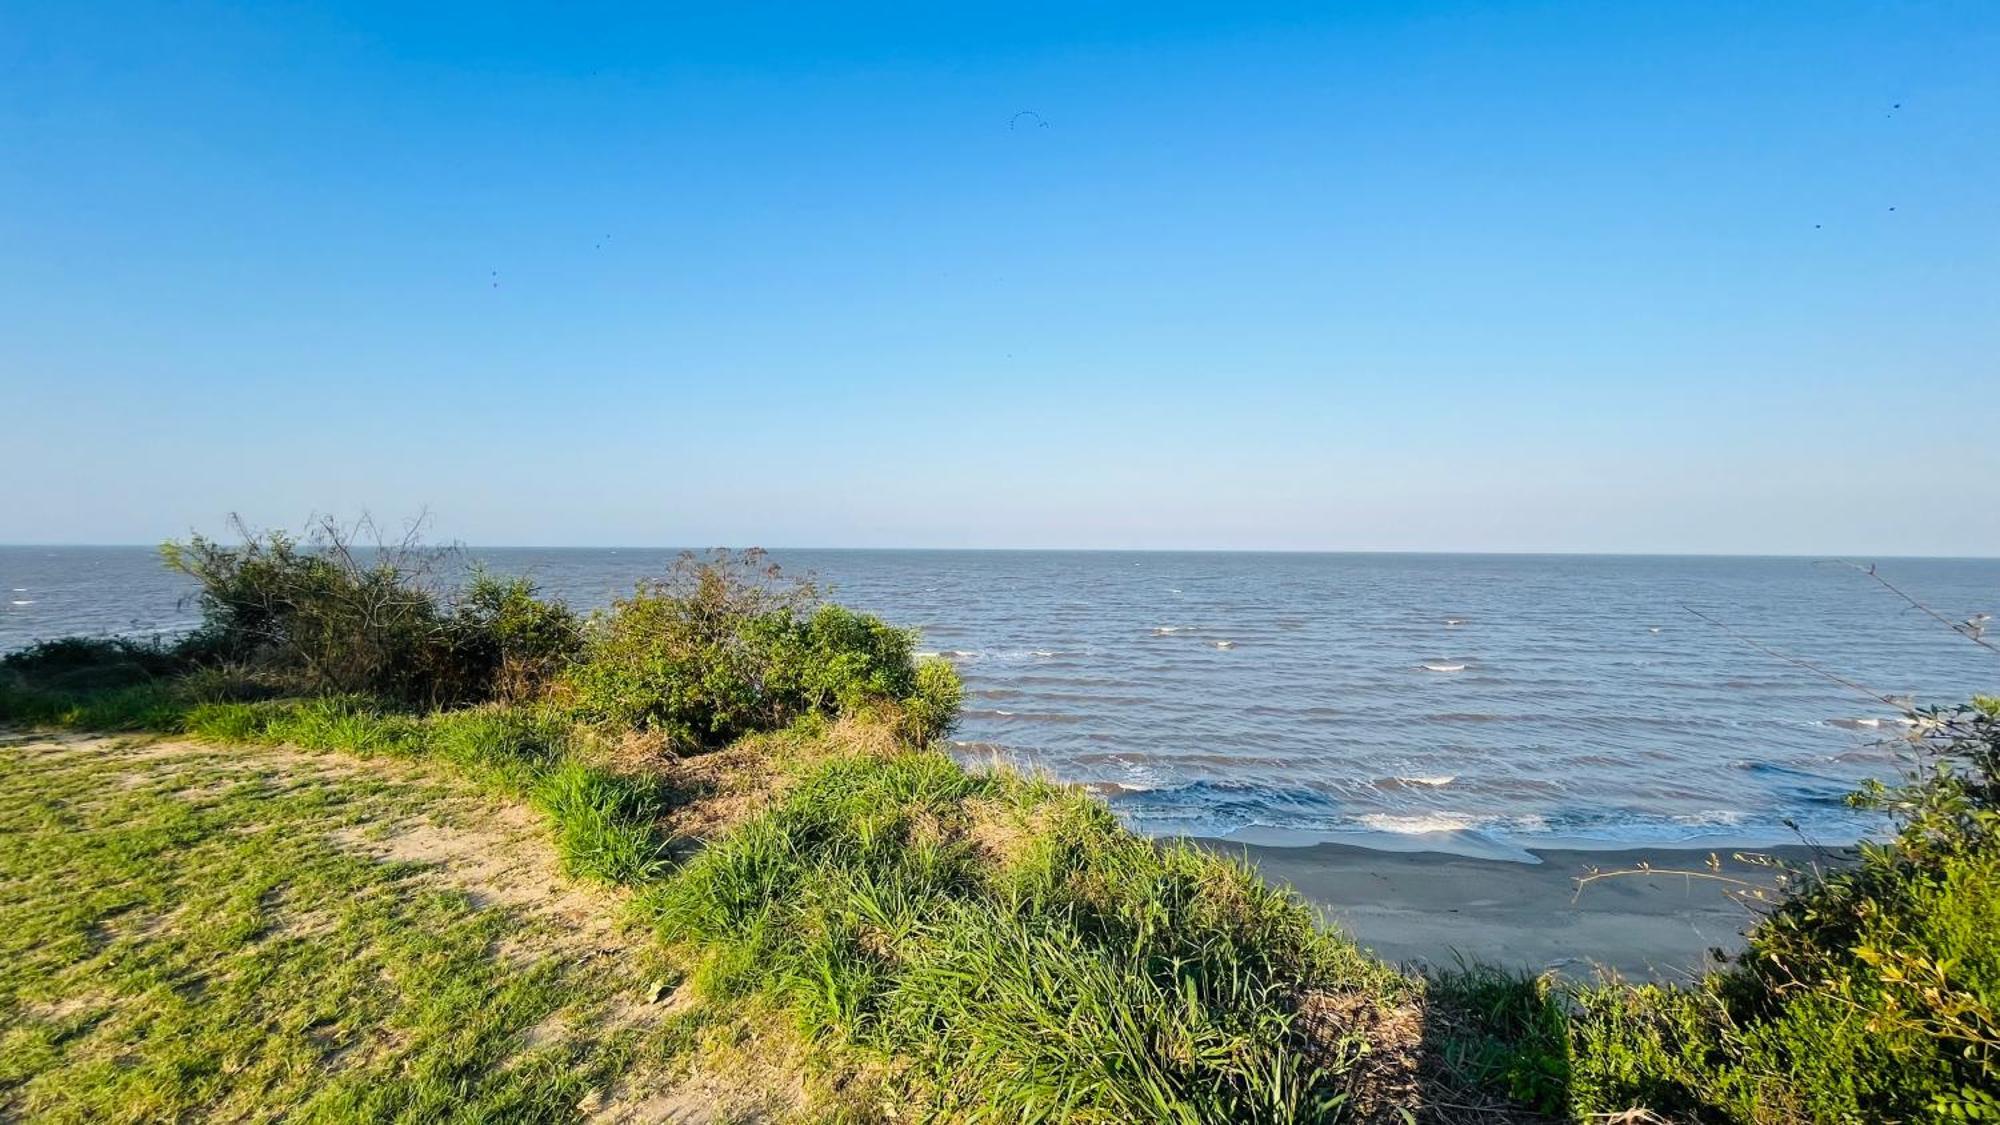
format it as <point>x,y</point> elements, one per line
<point>978,946</point>
<point>209,934</point>
<point>990,947</point>
<point>1027,959</point>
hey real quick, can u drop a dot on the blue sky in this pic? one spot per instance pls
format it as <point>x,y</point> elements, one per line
<point>1525,276</point>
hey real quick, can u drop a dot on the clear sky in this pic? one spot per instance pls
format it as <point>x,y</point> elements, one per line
<point>1506,276</point>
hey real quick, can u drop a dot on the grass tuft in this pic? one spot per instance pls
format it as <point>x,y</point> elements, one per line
<point>603,822</point>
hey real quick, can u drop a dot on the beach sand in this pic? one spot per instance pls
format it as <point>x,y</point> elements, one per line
<point>1431,907</point>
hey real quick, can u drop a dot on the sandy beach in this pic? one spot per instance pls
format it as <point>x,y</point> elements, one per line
<point>1432,907</point>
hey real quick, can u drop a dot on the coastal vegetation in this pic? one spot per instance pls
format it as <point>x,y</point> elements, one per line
<point>749,778</point>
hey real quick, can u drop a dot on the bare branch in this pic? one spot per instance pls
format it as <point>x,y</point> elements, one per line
<point>1972,629</point>
<point>1901,706</point>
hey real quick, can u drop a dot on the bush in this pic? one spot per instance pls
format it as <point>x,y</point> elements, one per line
<point>345,620</point>
<point>932,709</point>
<point>725,645</point>
<point>340,623</point>
<point>1871,993</point>
<point>516,642</point>
<point>93,663</point>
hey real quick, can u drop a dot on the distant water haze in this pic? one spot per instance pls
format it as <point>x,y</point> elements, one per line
<point>1475,703</point>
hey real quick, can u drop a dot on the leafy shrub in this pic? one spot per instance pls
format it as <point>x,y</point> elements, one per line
<point>691,655</point>
<point>502,631</point>
<point>93,663</point>
<point>1871,993</point>
<point>341,623</point>
<point>725,645</point>
<point>346,620</point>
<point>1653,1047</point>
<point>932,709</point>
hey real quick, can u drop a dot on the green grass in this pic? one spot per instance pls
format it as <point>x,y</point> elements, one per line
<point>199,936</point>
<point>603,823</point>
<point>1030,957</point>
<point>155,706</point>
<point>603,820</point>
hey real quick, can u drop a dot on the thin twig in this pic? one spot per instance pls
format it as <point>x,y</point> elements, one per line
<point>1901,706</point>
<point>1747,884</point>
<point>1966,629</point>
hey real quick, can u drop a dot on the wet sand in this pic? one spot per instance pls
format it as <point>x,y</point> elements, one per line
<point>1432,907</point>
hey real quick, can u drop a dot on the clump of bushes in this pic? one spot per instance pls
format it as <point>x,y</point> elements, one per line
<point>504,635</point>
<point>94,663</point>
<point>727,644</point>
<point>723,646</point>
<point>341,618</point>
<point>1870,993</point>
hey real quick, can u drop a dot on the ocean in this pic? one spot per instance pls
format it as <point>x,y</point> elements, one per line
<point>1472,703</point>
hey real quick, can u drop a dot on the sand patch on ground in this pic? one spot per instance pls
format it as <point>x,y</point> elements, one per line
<point>500,856</point>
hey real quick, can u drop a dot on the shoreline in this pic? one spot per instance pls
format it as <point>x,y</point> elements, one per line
<point>1433,908</point>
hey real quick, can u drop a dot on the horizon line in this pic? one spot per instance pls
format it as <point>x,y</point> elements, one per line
<point>1850,556</point>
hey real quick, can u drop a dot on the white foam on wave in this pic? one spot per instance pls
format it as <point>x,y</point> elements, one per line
<point>1225,644</point>
<point>1412,824</point>
<point>1427,823</point>
<point>1436,781</point>
<point>1163,630</point>
<point>21,601</point>
<point>1117,788</point>
<point>1713,818</point>
<point>1044,652</point>
<point>1441,667</point>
